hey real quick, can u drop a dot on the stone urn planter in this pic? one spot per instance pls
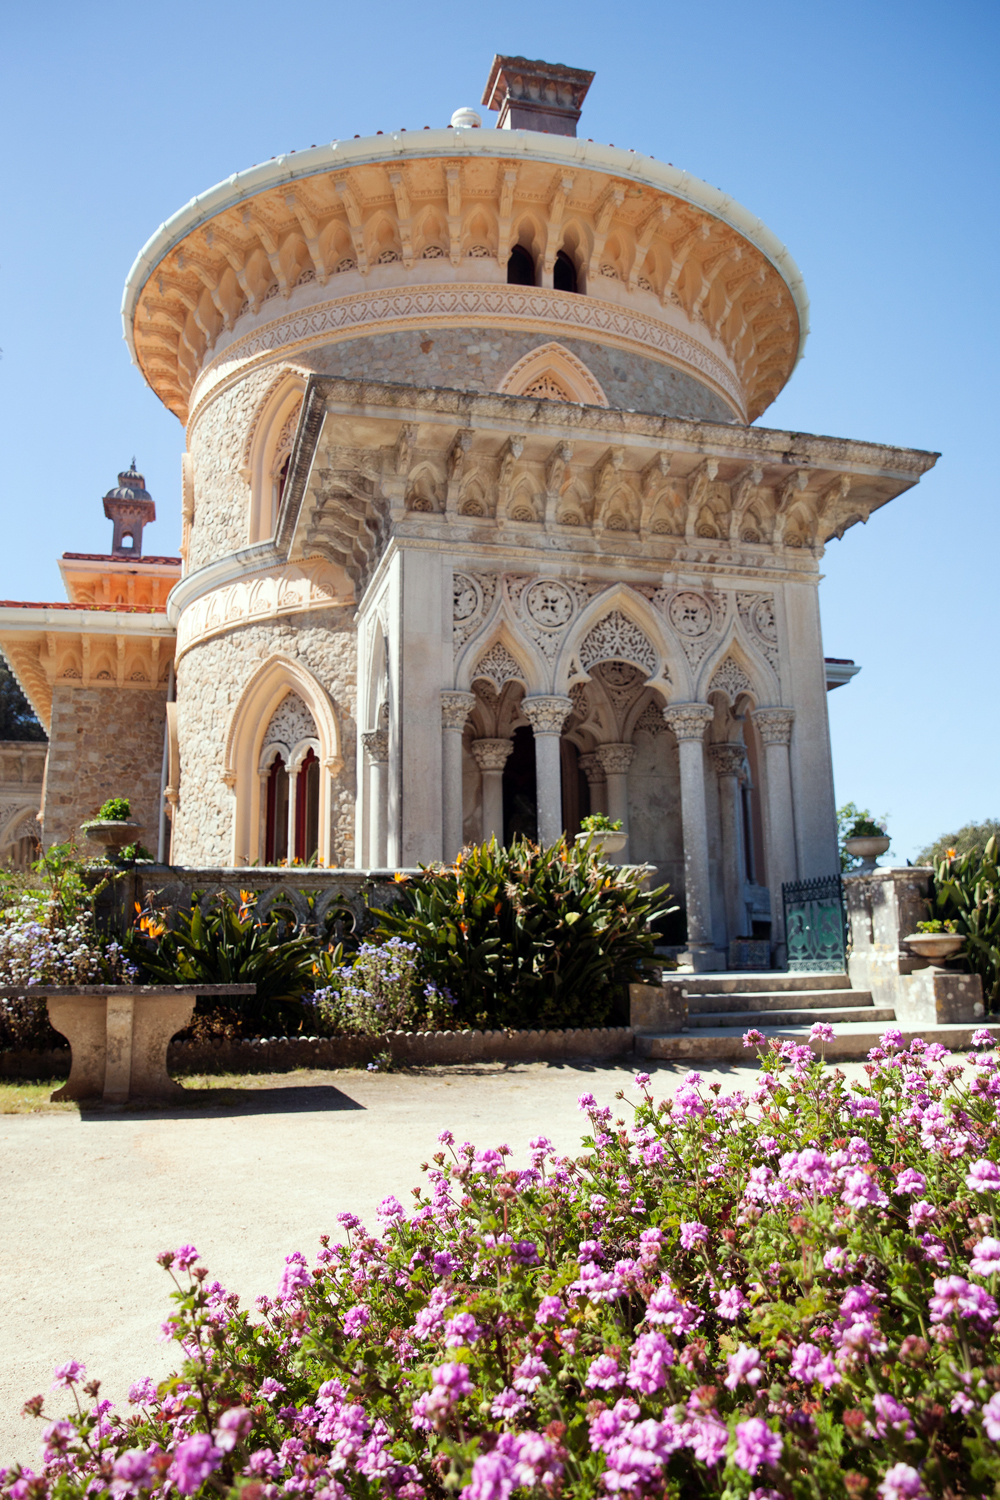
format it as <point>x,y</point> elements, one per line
<point>604,843</point>
<point>935,946</point>
<point>868,851</point>
<point>113,833</point>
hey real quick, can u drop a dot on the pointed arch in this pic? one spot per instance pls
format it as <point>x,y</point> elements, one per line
<point>666,671</point>
<point>553,364</point>
<point>733,669</point>
<point>273,681</point>
<point>268,447</point>
<point>485,654</point>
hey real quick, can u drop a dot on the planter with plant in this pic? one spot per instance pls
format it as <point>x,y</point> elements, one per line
<point>866,840</point>
<point>114,827</point>
<point>602,834</point>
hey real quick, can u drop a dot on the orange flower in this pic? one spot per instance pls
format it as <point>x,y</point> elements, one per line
<point>400,878</point>
<point>951,854</point>
<point>248,897</point>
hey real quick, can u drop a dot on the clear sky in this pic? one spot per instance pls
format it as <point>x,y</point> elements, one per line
<point>864,134</point>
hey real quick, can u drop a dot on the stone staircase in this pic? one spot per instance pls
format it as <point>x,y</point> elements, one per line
<point>721,1007</point>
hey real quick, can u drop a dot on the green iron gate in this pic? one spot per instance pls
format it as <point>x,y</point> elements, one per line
<point>815,924</point>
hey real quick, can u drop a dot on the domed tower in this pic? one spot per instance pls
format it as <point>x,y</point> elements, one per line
<point>477,536</point>
<point>130,506</point>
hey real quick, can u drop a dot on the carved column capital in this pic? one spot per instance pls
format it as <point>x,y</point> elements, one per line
<point>456,708</point>
<point>689,720</point>
<point>729,760</point>
<point>774,724</point>
<point>376,744</point>
<point>592,769</point>
<point>615,760</point>
<point>492,755</point>
<point>547,714</point>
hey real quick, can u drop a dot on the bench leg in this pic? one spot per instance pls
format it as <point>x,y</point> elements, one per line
<point>81,1019</point>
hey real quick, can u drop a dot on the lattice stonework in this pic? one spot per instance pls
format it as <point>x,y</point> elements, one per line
<point>291,723</point>
<point>617,638</point>
<point>545,388</point>
<point>729,677</point>
<point>498,666</point>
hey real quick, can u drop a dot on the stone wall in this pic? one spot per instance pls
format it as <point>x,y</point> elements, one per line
<point>477,359</point>
<point>104,742</point>
<point>221,494</point>
<point>210,680</point>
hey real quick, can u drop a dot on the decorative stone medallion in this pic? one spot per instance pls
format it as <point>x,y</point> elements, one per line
<point>550,604</point>
<point>690,615</point>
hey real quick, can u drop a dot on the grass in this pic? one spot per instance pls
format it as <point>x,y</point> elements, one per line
<point>31,1096</point>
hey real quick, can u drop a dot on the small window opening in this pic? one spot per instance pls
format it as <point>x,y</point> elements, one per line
<point>127,540</point>
<point>282,476</point>
<point>520,267</point>
<point>276,839</point>
<point>564,273</point>
<point>307,809</point>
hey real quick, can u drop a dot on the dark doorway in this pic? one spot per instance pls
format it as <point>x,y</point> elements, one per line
<point>563,273</point>
<point>520,804</point>
<point>575,789</point>
<point>520,267</point>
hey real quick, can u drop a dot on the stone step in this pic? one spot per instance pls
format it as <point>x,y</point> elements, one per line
<point>704,1005</point>
<point>767,980</point>
<point>868,1015</point>
<point>852,1041</point>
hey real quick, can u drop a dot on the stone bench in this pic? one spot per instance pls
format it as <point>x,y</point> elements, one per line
<point>119,1034</point>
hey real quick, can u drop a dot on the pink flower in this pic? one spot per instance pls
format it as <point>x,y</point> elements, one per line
<point>744,1366</point>
<point>985,1257</point>
<point>910,1182</point>
<point>185,1257</point>
<point>142,1392</point>
<point>68,1374</point>
<point>860,1191</point>
<point>982,1038</point>
<point>642,1080</point>
<point>270,1388</point>
<point>603,1374</point>
<point>652,1356</point>
<point>133,1470</point>
<point>821,1031</point>
<point>295,1277</point>
<point>731,1303</point>
<point>991,1417</point>
<point>693,1234</point>
<point>355,1319</point>
<point>902,1483</point>
<point>529,1373</point>
<point>754,1038</point>
<point>194,1460</point>
<point>810,1364</point>
<point>390,1210</point>
<point>454,1378</point>
<point>586,1102</point>
<point>507,1405</point>
<point>756,1444</point>
<point>892,1416</point>
<point>983,1177</point>
<point>461,1329</point>
<point>550,1310</point>
<point>921,1213</point>
<point>707,1439</point>
<point>233,1426</point>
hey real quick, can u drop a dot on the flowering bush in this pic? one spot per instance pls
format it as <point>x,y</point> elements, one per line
<point>530,937</point>
<point>381,991</point>
<point>791,1294</point>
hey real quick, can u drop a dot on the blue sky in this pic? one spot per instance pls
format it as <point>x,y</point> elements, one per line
<point>865,136</point>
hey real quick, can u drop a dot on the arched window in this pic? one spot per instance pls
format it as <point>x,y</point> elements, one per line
<point>520,267</point>
<point>276,836</point>
<point>563,273</point>
<point>307,808</point>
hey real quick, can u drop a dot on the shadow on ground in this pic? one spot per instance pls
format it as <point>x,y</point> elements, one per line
<point>280,1100</point>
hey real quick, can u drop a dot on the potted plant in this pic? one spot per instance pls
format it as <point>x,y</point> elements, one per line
<point>602,834</point>
<point>866,840</point>
<point>113,826</point>
<point>935,940</point>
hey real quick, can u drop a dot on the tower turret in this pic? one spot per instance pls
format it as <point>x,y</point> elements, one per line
<point>130,506</point>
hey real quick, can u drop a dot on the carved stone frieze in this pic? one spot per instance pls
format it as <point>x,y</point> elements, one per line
<point>730,678</point>
<point>756,612</point>
<point>291,723</point>
<point>729,760</point>
<point>497,665</point>
<point>376,743</point>
<point>617,638</point>
<point>650,721</point>
<point>472,599</point>
<point>695,619</point>
<point>284,590</point>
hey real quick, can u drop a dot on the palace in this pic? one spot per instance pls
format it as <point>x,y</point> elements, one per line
<point>477,534</point>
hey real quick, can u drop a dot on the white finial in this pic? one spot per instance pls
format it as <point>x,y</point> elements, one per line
<point>466,117</point>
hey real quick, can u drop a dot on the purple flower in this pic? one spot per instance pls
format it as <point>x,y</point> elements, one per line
<point>356,1319</point>
<point>754,1038</point>
<point>921,1213</point>
<point>821,1031</point>
<point>295,1277</point>
<point>460,1330</point>
<point>693,1234</point>
<point>604,1373</point>
<point>982,1038</point>
<point>133,1470</point>
<point>860,1191</point>
<point>902,1483</point>
<point>263,1464</point>
<point>185,1257</point>
<point>983,1177</point>
<point>269,1388</point>
<point>756,1444</point>
<point>707,1438</point>
<point>810,1364</point>
<point>744,1365</point>
<point>507,1405</point>
<point>731,1303</point>
<point>985,1257</point>
<point>68,1374</point>
<point>528,1374</point>
<point>233,1426</point>
<point>892,1416</point>
<point>524,1252</point>
<point>652,1356</point>
<point>444,1263</point>
<point>642,1080</point>
<point>194,1460</point>
<point>390,1210</point>
<point>550,1310</point>
<point>910,1182</point>
<point>586,1102</point>
<point>892,1039</point>
<point>142,1392</point>
<point>991,1417</point>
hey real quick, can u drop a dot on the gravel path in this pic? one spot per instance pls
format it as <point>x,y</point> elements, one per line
<point>87,1202</point>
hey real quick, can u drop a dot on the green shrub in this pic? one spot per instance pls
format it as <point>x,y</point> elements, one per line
<point>380,990</point>
<point>231,944</point>
<point>967,897</point>
<point>529,937</point>
<point>600,823</point>
<point>115,810</point>
<point>967,838</point>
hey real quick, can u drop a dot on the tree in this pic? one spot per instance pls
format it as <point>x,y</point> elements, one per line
<point>971,836</point>
<point>18,720</point>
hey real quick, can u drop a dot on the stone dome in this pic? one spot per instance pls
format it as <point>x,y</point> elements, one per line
<point>131,486</point>
<point>445,257</point>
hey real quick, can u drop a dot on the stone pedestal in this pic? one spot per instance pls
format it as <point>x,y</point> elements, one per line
<point>882,908</point>
<point>658,1007</point>
<point>119,1036</point>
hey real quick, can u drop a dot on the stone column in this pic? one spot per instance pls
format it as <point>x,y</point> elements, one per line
<point>774,726</point>
<point>730,767</point>
<point>590,766</point>
<point>376,744</point>
<point>689,722</point>
<point>614,761</point>
<point>455,709</point>
<point>491,757</point>
<point>293,792</point>
<point>547,715</point>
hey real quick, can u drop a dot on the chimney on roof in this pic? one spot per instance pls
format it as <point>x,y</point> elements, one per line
<point>536,95</point>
